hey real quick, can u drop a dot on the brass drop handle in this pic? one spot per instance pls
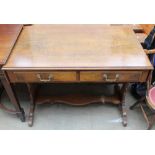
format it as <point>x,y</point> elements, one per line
<point>50,77</point>
<point>105,76</point>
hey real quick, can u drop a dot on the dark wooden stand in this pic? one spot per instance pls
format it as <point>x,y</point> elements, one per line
<point>9,35</point>
<point>13,98</point>
<point>78,100</point>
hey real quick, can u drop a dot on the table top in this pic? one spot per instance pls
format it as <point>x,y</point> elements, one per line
<point>8,36</point>
<point>76,47</point>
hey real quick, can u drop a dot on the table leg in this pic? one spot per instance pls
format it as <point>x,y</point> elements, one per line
<point>32,92</point>
<point>13,98</point>
<point>123,105</point>
<point>1,89</point>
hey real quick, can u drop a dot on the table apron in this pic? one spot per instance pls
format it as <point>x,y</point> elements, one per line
<point>77,76</point>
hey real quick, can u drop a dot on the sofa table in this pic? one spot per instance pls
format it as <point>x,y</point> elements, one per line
<point>78,54</point>
<point>8,36</point>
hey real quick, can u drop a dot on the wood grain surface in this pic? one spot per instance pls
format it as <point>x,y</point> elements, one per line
<point>77,47</point>
<point>8,36</point>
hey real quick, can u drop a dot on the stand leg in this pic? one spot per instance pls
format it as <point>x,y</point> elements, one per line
<point>12,96</point>
<point>31,114</point>
<point>21,115</point>
<point>123,105</point>
<point>32,91</point>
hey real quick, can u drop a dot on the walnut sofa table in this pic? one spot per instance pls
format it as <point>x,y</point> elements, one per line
<point>78,54</point>
<point>8,36</point>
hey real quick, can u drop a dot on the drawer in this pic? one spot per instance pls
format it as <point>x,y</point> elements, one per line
<point>46,77</point>
<point>112,76</point>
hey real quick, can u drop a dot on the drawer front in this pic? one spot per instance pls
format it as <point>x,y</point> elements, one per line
<point>111,76</point>
<point>45,77</point>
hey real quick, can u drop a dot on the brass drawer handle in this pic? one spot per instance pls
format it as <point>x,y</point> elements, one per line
<point>50,77</point>
<point>105,76</point>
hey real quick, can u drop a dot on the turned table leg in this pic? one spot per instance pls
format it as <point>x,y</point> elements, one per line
<point>121,92</point>
<point>13,98</point>
<point>32,92</point>
<point>123,105</point>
